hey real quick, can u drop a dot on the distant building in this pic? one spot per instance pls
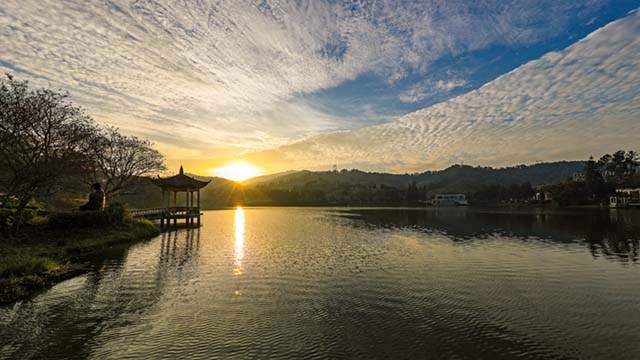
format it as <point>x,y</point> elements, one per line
<point>625,198</point>
<point>578,176</point>
<point>543,196</point>
<point>450,199</point>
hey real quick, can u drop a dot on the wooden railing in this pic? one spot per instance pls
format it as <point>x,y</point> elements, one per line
<point>145,212</point>
<point>166,212</point>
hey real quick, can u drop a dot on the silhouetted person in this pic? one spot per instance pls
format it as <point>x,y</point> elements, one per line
<point>96,199</point>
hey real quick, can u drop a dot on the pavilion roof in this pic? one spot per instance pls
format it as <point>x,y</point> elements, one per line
<point>180,182</point>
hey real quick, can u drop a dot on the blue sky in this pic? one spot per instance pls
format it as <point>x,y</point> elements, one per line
<point>381,85</point>
<point>452,74</point>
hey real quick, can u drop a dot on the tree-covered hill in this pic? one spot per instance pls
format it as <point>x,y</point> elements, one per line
<point>358,187</point>
<point>460,178</point>
<point>465,179</point>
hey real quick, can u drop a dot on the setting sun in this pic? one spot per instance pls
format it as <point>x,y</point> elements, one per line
<point>237,171</point>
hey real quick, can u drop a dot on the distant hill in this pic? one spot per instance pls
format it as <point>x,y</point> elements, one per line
<point>457,178</point>
<point>267,178</point>
<point>355,186</point>
<point>460,178</point>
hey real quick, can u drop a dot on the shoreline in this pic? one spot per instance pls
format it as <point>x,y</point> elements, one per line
<point>477,206</point>
<point>43,257</point>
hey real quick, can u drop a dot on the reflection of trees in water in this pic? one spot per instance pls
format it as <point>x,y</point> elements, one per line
<point>615,235</point>
<point>91,301</point>
<point>111,294</point>
<point>612,234</point>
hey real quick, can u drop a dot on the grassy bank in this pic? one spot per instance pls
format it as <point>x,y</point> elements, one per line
<point>41,256</point>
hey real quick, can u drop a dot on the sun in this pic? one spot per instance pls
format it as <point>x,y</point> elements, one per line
<point>237,171</point>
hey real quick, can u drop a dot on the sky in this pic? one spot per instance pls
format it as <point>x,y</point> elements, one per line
<point>396,86</point>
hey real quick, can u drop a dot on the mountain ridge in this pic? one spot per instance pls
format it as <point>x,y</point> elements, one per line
<point>356,186</point>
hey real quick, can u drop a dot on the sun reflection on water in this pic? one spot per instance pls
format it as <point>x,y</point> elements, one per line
<point>239,241</point>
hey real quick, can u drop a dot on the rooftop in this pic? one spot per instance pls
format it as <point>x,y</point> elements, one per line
<point>180,182</point>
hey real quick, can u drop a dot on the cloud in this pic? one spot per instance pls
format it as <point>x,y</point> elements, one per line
<point>566,105</point>
<point>427,89</point>
<point>222,77</point>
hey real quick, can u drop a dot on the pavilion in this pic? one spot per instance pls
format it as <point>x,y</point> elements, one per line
<point>174,185</point>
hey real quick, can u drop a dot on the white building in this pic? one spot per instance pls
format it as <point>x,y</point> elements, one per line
<point>625,198</point>
<point>450,199</point>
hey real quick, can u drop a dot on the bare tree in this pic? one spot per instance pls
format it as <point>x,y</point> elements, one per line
<point>120,161</point>
<point>42,138</point>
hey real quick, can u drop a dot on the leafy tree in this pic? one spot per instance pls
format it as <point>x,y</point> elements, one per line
<point>596,186</point>
<point>619,167</point>
<point>497,192</point>
<point>568,193</point>
<point>119,161</point>
<point>413,194</point>
<point>43,138</point>
<point>632,162</point>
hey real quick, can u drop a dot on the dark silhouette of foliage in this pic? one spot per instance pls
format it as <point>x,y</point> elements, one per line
<point>569,193</point>
<point>619,167</point>
<point>43,138</point>
<point>46,142</point>
<point>114,215</point>
<point>119,161</point>
<point>413,193</point>
<point>500,193</point>
<point>597,188</point>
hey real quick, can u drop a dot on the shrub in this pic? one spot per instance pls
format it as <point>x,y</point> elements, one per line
<point>114,214</point>
<point>19,265</point>
<point>6,218</point>
<point>8,212</point>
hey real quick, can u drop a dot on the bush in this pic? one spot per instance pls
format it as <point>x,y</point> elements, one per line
<point>6,218</point>
<point>114,214</point>
<point>8,211</point>
<point>19,265</point>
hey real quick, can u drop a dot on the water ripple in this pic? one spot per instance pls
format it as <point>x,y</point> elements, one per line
<point>313,284</point>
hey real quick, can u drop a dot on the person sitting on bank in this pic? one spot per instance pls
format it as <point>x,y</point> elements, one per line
<point>96,199</point>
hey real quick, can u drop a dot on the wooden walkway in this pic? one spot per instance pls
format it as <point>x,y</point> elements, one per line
<point>189,214</point>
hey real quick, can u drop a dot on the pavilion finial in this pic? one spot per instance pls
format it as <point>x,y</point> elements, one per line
<point>181,170</point>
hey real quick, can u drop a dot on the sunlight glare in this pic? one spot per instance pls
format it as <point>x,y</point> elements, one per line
<point>237,171</point>
<point>239,243</point>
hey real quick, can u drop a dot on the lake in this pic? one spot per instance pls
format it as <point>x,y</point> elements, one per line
<point>351,283</point>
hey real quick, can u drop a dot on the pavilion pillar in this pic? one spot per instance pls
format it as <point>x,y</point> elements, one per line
<point>198,209</point>
<point>168,207</point>
<point>162,214</point>
<point>175,207</point>
<point>191,214</point>
<point>188,218</point>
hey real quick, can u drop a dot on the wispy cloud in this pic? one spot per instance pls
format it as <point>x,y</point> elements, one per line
<point>568,104</point>
<point>222,77</point>
<point>426,89</point>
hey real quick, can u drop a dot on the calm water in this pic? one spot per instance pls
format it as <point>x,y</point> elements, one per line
<point>340,283</point>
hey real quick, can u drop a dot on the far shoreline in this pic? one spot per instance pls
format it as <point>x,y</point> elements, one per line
<point>515,207</point>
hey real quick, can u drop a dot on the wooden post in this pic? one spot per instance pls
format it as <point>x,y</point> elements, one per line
<point>162,215</point>
<point>186,195</point>
<point>191,214</point>
<point>168,207</point>
<point>198,209</point>
<point>175,207</point>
